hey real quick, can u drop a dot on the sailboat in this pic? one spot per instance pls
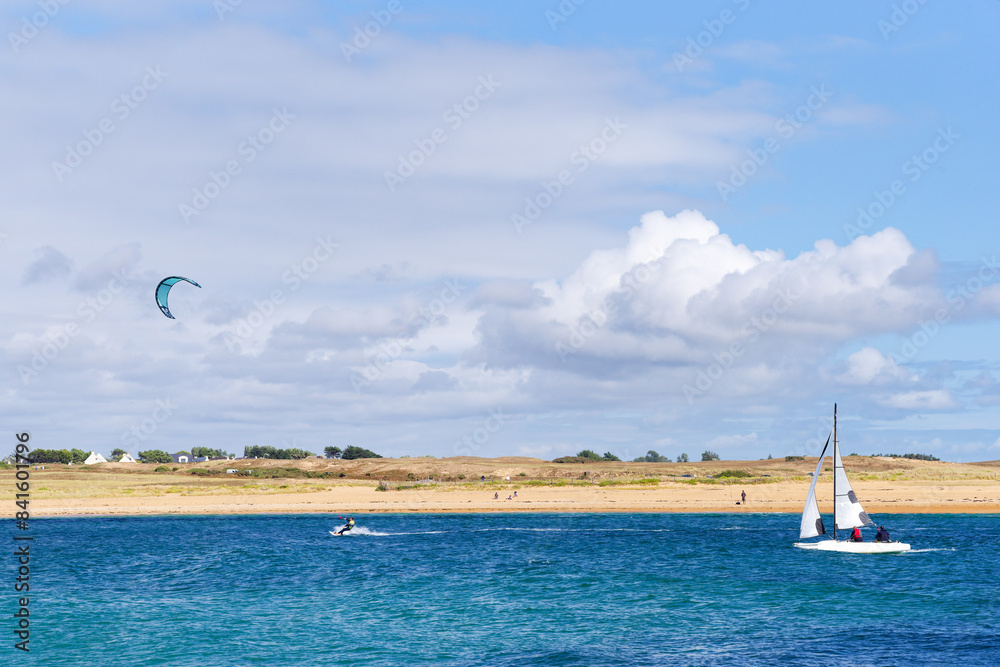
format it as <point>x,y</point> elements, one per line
<point>847,511</point>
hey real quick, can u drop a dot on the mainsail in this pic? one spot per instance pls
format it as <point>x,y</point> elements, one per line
<point>812,523</point>
<point>847,511</point>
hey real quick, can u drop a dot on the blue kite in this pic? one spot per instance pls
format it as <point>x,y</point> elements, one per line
<point>164,287</point>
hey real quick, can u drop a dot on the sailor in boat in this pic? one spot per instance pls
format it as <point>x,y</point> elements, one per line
<point>856,535</point>
<point>883,535</point>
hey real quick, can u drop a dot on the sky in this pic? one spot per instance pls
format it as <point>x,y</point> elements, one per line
<point>502,229</point>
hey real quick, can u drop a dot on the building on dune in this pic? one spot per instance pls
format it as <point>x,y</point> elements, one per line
<point>94,458</point>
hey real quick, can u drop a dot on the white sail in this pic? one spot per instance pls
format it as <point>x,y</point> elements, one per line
<point>847,511</point>
<point>812,523</point>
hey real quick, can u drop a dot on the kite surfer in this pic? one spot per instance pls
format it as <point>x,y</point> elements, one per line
<point>347,526</point>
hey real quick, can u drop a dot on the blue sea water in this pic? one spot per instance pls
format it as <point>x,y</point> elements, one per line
<point>504,590</point>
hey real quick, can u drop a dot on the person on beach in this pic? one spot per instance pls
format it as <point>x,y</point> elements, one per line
<point>347,526</point>
<point>882,535</point>
<point>744,495</point>
<point>856,535</point>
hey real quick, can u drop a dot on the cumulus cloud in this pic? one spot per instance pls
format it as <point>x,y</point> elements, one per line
<point>936,399</point>
<point>49,263</point>
<point>681,291</point>
<point>117,262</point>
<point>868,365</point>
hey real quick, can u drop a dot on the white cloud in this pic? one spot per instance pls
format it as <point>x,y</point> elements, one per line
<point>681,290</point>
<point>937,399</point>
<point>868,366</point>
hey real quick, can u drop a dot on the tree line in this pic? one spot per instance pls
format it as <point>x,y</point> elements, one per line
<point>653,457</point>
<point>352,452</point>
<point>268,452</point>
<point>57,456</point>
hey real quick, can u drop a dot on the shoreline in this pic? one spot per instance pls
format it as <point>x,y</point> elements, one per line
<point>776,498</point>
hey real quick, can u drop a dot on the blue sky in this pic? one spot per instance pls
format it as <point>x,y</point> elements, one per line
<point>523,229</point>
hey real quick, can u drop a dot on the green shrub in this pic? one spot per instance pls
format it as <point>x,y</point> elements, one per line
<point>162,469</point>
<point>201,472</point>
<point>520,474</point>
<point>733,473</point>
<point>355,452</point>
<point>795,458</point>
<point>155,456</point>
<point>652,457</point>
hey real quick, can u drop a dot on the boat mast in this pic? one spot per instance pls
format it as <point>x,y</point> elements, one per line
<point>834,472</point>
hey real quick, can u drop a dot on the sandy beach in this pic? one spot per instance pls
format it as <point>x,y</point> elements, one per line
<point>456,485</point>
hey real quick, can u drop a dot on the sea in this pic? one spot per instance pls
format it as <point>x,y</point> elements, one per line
<point>501,590</point>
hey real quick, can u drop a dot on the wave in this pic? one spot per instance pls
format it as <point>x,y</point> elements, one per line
<point>358,531</point>
<point>361,530</point>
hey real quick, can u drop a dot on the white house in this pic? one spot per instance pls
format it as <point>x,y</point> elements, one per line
<point>127,458</point>
<point>94,458</point>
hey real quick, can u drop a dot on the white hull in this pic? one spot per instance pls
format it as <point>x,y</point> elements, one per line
<point>856,547</point>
